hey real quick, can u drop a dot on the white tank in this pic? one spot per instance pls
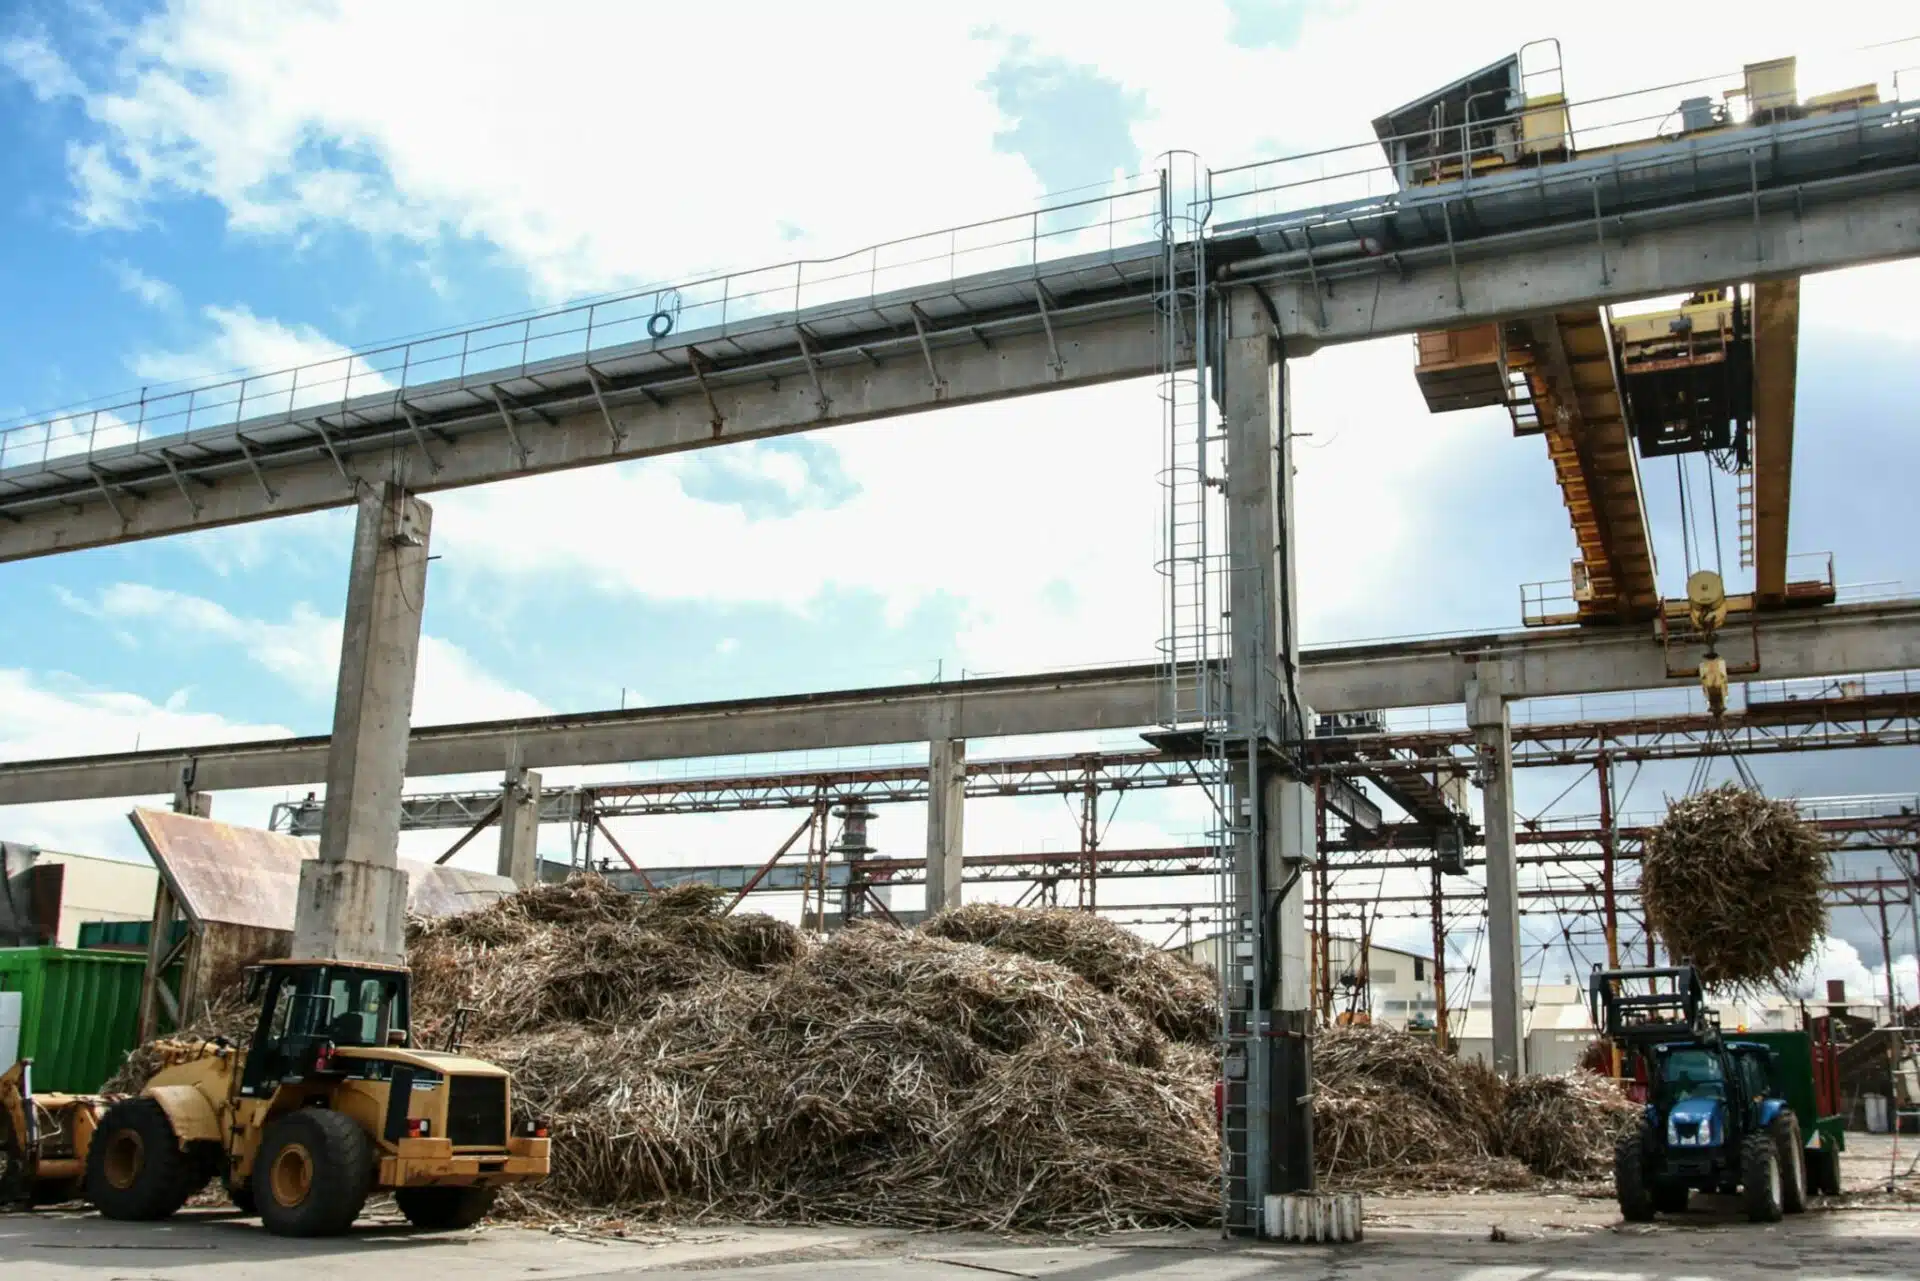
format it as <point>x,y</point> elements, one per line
<point>12,1012</point>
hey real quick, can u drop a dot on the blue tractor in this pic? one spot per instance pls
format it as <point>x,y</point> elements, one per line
<point>1716,1119</point>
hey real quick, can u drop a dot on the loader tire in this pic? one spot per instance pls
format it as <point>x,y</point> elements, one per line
<point>1785,1131</point>
<point>136,1168</point>
<point>444,1208</point>
<point>1761,1178</point>
<point>241,1194</point>
<point>1630,1184</point>
<point>313,1174</point>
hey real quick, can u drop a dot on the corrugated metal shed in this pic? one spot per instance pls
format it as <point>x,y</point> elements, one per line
<point>237,887</point>
<point>246,876</point>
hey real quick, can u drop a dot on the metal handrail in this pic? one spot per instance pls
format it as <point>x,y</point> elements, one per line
<point>654,312</point>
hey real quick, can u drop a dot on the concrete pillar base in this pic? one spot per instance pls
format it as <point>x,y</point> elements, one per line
<point>1324,1217</point>
<point>351,912</point>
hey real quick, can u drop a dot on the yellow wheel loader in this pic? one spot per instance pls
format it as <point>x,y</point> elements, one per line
<point>329,1104</point>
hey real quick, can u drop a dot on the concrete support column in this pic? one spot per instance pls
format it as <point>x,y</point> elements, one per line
<point>1487,717</point>
<point>353,898</point>
<point>946,821</point>
<point>520,826</point>
<point>1269,1121</point>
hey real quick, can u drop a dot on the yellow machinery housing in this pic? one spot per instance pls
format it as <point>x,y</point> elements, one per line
<point>330,1104</point>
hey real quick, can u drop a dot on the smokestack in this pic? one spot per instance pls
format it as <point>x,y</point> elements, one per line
<point>1836,996</point>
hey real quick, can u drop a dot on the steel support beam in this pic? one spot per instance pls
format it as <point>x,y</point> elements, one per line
<point>1776,362</point>
<point>1269,1006</point>
<point>1831,641</point>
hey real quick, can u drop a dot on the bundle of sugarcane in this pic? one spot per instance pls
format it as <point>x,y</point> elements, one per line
<point>1734,883</point>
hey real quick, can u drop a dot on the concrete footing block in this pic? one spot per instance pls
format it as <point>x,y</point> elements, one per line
<point>351,911</point>
<point>1326,1217</point>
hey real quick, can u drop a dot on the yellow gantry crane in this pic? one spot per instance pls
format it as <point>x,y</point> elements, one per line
<point>1714,375</point>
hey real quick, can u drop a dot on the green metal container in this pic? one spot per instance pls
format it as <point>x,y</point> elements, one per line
<point>81,1012</point>
<point>126,936</point>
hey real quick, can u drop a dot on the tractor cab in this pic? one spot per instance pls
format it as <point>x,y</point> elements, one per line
<point>310,1010</point>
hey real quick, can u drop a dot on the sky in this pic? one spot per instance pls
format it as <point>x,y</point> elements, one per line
<point>196,188</point>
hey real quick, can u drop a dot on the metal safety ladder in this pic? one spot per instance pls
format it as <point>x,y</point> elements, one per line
<point>1193,634</point>
<point>1195,643</point>
<point>1744,483</point>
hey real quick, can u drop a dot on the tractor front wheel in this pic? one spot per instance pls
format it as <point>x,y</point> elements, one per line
<point>444,1208</point>
<point>1630,1183</point>
<point>1760,1180</point>
<point>136,1168</point>
<point>1793,1167</point>
<point>313,1173</point>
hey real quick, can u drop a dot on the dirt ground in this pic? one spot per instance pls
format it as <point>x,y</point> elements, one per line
<point>1549,1236</point>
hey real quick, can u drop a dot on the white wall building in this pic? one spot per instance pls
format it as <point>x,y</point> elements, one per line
<point>1392,986</point>
<point>1559,1027</point>
<point>98,889</point>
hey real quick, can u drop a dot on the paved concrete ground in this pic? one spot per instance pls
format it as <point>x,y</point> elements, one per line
<point>1415,1238</point>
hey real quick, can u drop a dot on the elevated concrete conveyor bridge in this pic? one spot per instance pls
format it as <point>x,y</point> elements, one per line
<point>999,309</point>
<point>1838,641</point>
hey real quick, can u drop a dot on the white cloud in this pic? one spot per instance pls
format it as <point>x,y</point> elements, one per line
<point>29,56</point>
<point>241,343</point>
<point>304,652</point>
<point>1838,959</point>
<point>53,715</point>
<point>1039,521</point>
<point>153,292</point>
<point>109,198</point>
<point>296,117</point>
<point>299,116</point>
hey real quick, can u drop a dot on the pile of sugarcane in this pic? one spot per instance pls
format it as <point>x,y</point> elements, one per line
<point>998,1068</point>
<point>1392,1113</point>
<point>1734,883</point>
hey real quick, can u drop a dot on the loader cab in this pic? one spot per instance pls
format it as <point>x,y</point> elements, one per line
<point>308,1009</point>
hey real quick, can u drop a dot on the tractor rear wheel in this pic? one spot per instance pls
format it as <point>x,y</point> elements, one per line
<point>1630,1184</point>
<point>312,1174</point>
<point>1793,1167</point>
<point>444,1207</point>
<point>136,1168</point>
<point>1760,1179</point>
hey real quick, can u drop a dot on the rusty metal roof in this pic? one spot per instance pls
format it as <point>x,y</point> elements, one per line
<point>245,876</point>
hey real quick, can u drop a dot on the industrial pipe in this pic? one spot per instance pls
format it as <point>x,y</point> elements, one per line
<point>1364,247</point>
